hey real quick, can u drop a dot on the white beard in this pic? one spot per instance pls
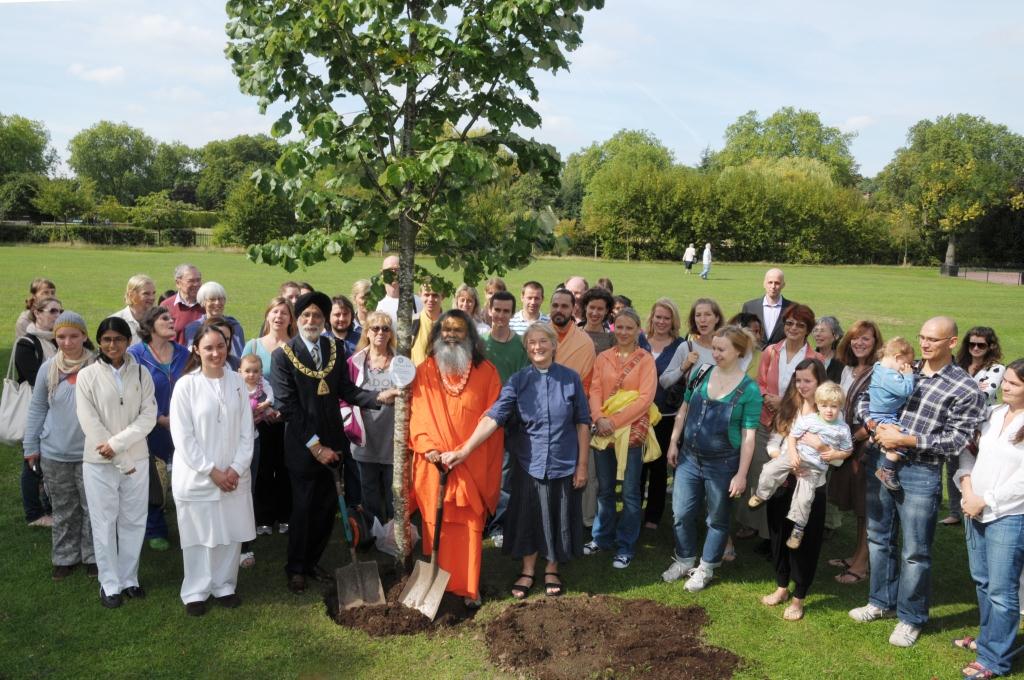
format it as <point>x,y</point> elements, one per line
<point>311,333</point>
<point>452,359</point>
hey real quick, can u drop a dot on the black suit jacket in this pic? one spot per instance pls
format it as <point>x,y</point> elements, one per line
<point>756,307</point>
<point>306,413</point>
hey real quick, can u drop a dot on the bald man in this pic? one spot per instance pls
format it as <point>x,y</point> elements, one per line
<point>577,285</point>
<point>769,308</point>
<point>389,303</point>
<point>939,419</point>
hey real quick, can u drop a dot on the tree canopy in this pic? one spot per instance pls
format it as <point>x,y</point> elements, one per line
<point>24,146</point>
<point>788,132</point>
<point>117,157</point>
<point>953,171</point>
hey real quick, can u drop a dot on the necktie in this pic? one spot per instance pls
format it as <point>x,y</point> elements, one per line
<point>315,351</point>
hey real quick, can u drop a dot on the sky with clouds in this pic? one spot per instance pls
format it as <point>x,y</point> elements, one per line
<point>682,69</point>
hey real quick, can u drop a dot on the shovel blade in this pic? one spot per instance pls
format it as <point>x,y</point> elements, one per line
<point>423,592</point>
<point>359,585</point>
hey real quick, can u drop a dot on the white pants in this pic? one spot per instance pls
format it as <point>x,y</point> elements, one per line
<point>209,571</point>
<point>774,473</point>
<point>118,505</point>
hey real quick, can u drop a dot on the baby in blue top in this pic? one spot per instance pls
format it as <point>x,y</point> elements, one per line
<point>892,383</point>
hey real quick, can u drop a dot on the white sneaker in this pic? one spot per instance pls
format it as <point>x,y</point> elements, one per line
<point>870,612</point>
<point>247,560</point>
<point>904,635</point>
<point>699,578</point>
<point>264,530</point>
<point>498,539</point>
<point>677,570</point>
<point>282,527</point>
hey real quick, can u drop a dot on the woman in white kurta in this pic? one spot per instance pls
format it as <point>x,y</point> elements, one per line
<point>211,425</point>
<point>116,410</point>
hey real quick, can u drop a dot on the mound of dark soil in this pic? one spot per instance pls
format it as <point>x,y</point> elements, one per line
<point>601,636</point>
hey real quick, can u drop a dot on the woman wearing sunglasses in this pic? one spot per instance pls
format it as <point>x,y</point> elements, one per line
<point>979,355</point>
<point>371,432</point>
<point>30,351</point>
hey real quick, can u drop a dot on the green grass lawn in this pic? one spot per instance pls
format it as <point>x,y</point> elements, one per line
<point>60,630</point>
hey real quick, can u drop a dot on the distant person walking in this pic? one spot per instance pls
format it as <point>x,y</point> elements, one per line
<point>706,259</point>
<point>689,257</point>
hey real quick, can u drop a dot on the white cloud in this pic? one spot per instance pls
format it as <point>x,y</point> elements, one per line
<point>110,74</point>
<point>160,30</point>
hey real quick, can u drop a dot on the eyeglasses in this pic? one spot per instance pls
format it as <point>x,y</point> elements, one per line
<point>978,345</point>
<point>931,341</point>
<point>379,329</point>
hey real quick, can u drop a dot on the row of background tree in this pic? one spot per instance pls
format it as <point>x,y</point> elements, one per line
<point>785,188</point>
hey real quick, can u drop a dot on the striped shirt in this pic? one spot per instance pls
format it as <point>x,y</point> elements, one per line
<point>943,413</point>
<point>519,324</point>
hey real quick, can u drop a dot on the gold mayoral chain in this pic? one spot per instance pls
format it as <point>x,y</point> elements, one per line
<point>322,388</point>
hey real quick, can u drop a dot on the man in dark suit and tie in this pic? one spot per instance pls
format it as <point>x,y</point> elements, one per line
<point>769,309</point>
<point>309,375</point>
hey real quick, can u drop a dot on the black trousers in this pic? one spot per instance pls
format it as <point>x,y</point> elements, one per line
<point>314,505</point>
<point>654,477</point>
<point>797,565</point>
<point>272,491</point>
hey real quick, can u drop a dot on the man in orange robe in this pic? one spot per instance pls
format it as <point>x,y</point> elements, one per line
<point>453,389</point>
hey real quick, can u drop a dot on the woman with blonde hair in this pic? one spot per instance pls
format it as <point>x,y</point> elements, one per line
<point>622,390</point>
<point>372,431</point>
<point>663,335</point>
<point>139,296</point>
<point>711,446</point>
<point>467,300</point>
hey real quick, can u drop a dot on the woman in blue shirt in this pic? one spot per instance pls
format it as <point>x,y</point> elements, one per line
<point>546,408</point>
<point>165,360</point>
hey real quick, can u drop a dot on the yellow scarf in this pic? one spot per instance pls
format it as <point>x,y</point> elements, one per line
<point>614,404</point>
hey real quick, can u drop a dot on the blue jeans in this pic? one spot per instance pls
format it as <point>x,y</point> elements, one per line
<point>33,497</point>
<point>707,270</point>
<point>902,579</point>
<point>695,481</point>
<point>605,532</point>
<point>996,554</point>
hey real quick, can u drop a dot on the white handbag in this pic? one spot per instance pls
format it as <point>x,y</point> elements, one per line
<point>14,406</point>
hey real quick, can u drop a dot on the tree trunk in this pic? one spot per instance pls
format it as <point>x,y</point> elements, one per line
<point>402,477</point>
<point>951,250</point>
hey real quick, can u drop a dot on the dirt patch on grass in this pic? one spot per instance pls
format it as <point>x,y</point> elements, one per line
<point>393,618</point>
<point>602,636</point>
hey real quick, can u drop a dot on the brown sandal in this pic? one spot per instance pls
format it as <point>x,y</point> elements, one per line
<point>967,643</point>
<point>849,577</point>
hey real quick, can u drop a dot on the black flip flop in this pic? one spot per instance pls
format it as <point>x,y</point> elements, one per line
<point>520,592</point>
<point>553,589</point>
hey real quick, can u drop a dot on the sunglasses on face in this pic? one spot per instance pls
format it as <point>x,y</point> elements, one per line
<point>380,329</point>
<point>978,345</point>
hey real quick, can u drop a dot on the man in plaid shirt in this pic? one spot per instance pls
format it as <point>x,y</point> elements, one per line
<point>939,419</point>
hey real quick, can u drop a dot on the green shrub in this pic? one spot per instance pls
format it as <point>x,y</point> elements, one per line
<point>108,236</point>
<point>24,233</point>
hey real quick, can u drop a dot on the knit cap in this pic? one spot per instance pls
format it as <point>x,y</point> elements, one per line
<point>72,320</point>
